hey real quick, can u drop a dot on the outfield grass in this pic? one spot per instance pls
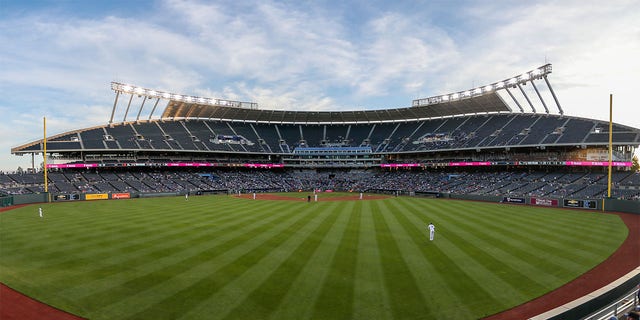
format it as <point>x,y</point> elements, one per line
<point>221,257</point>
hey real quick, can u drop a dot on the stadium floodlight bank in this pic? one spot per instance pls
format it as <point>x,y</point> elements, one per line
<point>514,82</point>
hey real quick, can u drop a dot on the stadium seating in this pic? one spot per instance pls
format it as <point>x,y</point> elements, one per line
<point>507,183</point>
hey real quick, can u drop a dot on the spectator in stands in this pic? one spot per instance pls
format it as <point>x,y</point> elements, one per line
<point>633,315</point>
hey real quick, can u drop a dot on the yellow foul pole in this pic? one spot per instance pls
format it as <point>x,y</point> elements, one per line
<point>44,156</point>
<point>610,142</point>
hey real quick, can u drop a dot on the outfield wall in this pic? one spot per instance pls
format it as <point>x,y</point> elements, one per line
<point>615,205</point>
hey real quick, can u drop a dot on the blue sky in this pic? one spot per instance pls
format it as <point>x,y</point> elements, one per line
<point>59,57</point>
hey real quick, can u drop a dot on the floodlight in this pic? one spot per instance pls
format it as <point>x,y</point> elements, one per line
<point>126,88</point>
<point>138,90</point>
<point>513,82</point>
<point>152,93</point>
<point>177,97</point>
<point>201,100</point>
<point>166,95</point>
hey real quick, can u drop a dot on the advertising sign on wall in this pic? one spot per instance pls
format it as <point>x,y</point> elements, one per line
<point>572,203</point>
<point>96,196</point>
<point>544,202</point>
<point>513,200</point>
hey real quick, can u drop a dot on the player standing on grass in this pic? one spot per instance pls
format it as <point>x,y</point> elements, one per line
<point>432,231</point>
<point>40,211</point>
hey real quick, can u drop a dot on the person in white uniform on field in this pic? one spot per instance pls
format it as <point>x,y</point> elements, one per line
<point>432,231</point>
<point>40,212</point>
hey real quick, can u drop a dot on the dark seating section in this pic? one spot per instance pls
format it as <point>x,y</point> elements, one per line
<point>201,134</point>
<point>313,135</point>
<point>484,134</point>
<point>150,136</point>
<point>125,136</point>
<point>576,130</point>
<point>268,137</point>
<point>513,132</point>
<point>577,185</point>
<point>358,135</point>
<point>402,135</point>
<point>542,127</point>
<point>337,134</point>
<point>290,133</point>
<point>381,135</point>
<point>248,135</point>
<point>460,132</point>
<point>177,135</point>
<point>95,139</point>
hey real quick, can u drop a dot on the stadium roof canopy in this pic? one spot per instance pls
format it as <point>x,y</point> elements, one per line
<point>484,99</point>
<point>486,103</point>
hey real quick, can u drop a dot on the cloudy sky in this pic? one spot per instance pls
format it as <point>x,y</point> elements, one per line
<point>58,57</point>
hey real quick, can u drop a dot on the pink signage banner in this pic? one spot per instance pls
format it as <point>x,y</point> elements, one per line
<point>399,165</point>
<point>598,163</point>
<point>72,165</point>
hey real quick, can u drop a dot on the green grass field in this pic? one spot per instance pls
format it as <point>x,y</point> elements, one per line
<point>221,257</point>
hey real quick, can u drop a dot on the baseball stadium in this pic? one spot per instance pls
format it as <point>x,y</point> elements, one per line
<point>186,207</point>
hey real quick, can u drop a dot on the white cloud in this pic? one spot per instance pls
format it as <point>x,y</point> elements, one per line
<point>310,57</point>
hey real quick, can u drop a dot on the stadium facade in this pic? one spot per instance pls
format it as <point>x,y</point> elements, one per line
<point>476,127</point>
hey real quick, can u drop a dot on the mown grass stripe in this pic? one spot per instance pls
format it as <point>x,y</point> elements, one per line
<point>194,260</point>
<point>480,242</point>
<point>81,234</point>
<point>525,232</point>
<point>335,300</point>
<point>455,267</point>
<point>415,249</point>
<point>371,297</point>
<point>301,297</point>
<point>178,300</point>
<point>514,252</point>
<point>68,254</point>
<point>551,223</point>
<point>566,259</point>
<point>265,298</point>
<point>168,246</point>
<point>406,299</point>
